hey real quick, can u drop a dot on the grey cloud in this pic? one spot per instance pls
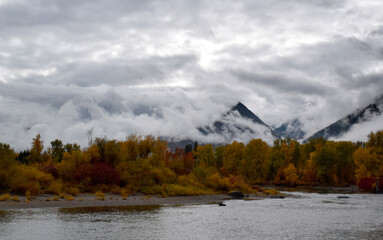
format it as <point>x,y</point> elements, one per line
<point>130,72</point>
<point>280,83</point>
<point>151,67</point>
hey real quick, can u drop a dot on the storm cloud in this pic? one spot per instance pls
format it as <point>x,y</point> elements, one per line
<point>166,68</point>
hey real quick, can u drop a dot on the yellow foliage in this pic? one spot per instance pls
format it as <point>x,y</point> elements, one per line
<point>99,195</point>
<point>271,191</point>
<point>71,161</point>
<point>28,178</point>
<point>56,198</point>
<point>163,175</point>
<point>5,197</point>
<point>217,182</point>
<point>55,187</point>
<point>124,194</point>
<point>179,190</point>
<point>256,161</point>
<point>72,190</point>
<point>28,195</point>
<point>68,197</point>
<point>291,174</point>
<point>189,180</point>
<point>238,183</point>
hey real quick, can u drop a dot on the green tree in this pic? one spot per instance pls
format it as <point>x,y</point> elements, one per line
<point>57,150</point>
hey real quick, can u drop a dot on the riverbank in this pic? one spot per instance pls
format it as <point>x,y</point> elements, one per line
<point>89,200</point>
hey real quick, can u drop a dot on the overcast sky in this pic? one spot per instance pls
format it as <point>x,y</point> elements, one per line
<point>167,67</point>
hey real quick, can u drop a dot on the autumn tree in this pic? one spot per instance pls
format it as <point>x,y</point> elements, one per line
<point>205,155</point>
<point>291,176</point>
<point>7,161</point>
<point>37,148</point>
<point>232,157</point>
<point>256,161</point>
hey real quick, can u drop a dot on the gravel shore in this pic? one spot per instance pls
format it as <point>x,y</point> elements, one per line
<point>89,200</point>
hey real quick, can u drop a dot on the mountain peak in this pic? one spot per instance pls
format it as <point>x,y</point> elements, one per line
<point>239,124</point>
<point>246,113</point>
<point>342,126</point>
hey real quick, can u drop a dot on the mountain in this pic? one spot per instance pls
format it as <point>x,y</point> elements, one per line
<point>291,129</point>
<point>239,124</point>
<point>342,126</point>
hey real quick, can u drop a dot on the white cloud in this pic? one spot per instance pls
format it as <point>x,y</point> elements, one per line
<point>360,131</point>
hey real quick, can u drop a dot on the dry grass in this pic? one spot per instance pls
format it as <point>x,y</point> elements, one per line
<point>5,197</point>
<point>99,195</point>
<point>69,197</point>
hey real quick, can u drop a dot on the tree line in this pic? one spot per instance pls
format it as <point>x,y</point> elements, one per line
<point>146,165</point>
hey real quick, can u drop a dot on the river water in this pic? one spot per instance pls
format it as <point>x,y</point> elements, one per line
<point>312,216</point>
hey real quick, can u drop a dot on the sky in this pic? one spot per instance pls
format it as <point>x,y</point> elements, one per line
<point>164,68</point>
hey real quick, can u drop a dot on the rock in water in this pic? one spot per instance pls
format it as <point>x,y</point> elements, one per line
<point>277,196</point>
<point>343,197</point>
<point>221,204</point>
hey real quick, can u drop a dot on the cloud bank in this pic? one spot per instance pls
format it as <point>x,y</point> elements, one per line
<point>165,68</point>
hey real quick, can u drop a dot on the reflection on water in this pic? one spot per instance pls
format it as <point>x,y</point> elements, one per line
<point>4,216</point>
<point>313,216</point>
<point>78,210</point>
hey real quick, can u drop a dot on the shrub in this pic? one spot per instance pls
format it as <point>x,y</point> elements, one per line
<point>104,174</point>
<point>238,182</point>
<point>366,184</point>
<point>179,190</point>
<point>99,195</point>
<point>5,197</point>
<point>56,198</point>
<point>216,182</point>
<point>124,194</point>
<point>72,190</point>
<point>85,171</point>
<point>68,197</point>
<point>28,195</point>
<point>51,169</point>
<point>55,187</point>
<point>29,178</point>
<point>189,180</point>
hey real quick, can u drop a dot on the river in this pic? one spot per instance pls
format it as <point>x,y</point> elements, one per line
<point>311,216</point>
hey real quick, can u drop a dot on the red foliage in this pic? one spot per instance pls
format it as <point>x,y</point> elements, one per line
<point>51,169</point>
<point>100,173</point>
<point>83,172</point>
<point>188,162</point>
<point>104,174</point>
<point>366,184</point>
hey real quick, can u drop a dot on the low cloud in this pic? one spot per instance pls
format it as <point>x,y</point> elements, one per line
<point>146,67</point>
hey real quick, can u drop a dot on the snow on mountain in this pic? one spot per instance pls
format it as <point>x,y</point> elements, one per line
<point>291,129</point>
<point>359,123</point>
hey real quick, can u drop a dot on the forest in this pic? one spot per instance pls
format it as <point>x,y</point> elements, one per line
<point>146,165</point>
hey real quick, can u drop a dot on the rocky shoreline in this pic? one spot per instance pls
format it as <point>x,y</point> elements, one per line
<point>89,200</point>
